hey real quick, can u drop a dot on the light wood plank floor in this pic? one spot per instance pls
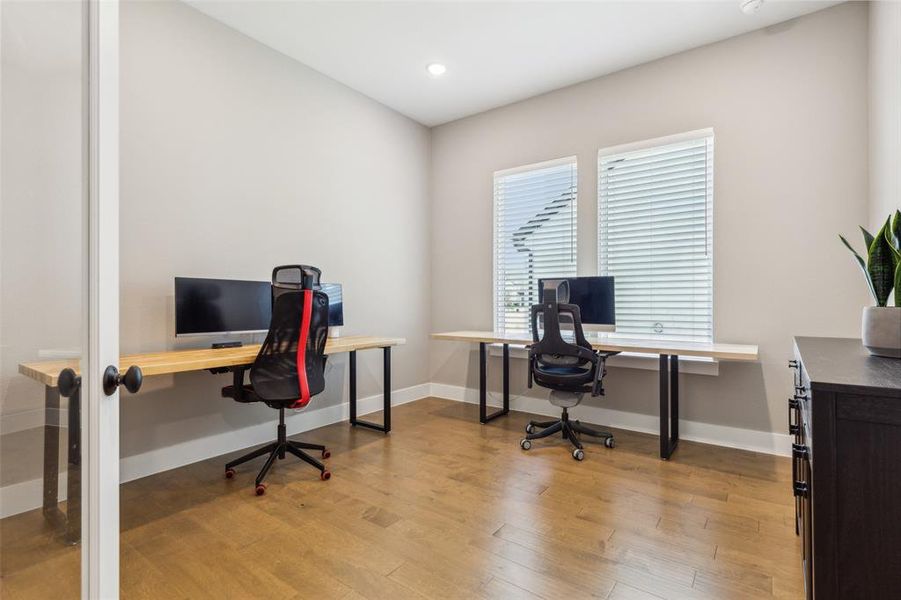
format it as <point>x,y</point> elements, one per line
<point>445,508</point>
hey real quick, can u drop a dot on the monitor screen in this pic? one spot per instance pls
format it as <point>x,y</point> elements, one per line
<point>211,306</point>
<point>593,295</point>
<point>335,303</point>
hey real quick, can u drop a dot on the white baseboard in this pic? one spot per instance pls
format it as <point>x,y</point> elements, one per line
<point>720,435</point>
<point>30,419</point>
<point>27,495</point>
<point>179,455</point>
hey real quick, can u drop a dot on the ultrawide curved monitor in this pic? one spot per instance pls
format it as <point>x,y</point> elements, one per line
<point>223,306</point>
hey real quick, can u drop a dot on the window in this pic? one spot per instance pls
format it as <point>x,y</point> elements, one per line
<point>655,235</point>
<point>534,235</point>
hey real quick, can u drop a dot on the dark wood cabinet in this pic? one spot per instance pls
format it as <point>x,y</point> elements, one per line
<point>845,416</point>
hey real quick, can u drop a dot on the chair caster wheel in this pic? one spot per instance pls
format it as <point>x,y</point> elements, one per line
<point>229,473</point>
<point>525,444</point>
<point>326,454</point>
<point>610,442</point>
<point>260,489</point>
<point>579,454</point>
<point>530,428</point>
<point>325,475</point>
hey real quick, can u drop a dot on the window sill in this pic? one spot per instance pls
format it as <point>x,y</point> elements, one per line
<point>632,360</point>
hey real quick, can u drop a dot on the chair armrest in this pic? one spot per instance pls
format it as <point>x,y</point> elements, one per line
<point>531,365</point>
<point>238,382</point>
<point>600,369</point>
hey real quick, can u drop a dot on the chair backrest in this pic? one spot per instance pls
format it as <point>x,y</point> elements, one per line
<point>553,361</point>
<point>290,366</point>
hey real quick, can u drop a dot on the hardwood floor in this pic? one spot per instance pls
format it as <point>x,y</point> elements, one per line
<point>445,508</point>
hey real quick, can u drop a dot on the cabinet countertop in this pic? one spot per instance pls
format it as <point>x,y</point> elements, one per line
<point>843,364</point>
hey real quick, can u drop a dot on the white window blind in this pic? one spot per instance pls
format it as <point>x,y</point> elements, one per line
<point>655,236</point>
<point>534,235</point>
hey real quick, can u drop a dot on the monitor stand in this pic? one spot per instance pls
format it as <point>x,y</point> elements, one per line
<point>334,332</point>
<point>235,344</point>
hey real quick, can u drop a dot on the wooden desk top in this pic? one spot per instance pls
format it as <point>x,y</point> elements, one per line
<point>616,344</point>
<point>179,361</point>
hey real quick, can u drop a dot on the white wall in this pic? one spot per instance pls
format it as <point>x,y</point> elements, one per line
<point>789,108</point>
<point>235,159</point>
<point>41,197</point>
<point>885,111</point>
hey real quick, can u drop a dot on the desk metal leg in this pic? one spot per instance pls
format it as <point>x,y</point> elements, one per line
<point>484,417</point>
<point>386,393</point>
<point>353,387</point>
<point>669,405</point>
<point>73,479</point>
<point>51,458</point>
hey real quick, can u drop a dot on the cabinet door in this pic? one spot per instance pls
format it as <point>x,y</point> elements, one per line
<point>868,496</point>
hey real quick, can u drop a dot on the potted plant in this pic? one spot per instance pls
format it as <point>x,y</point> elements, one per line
<point>881,325</point>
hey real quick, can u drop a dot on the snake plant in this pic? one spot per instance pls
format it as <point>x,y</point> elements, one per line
<point>882,269</point>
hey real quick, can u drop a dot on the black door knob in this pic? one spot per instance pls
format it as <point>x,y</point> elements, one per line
<point>112,379</point>
<point>68,382</point>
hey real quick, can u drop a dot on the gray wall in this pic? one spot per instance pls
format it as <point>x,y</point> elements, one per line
<point>885,110</point>
<point>41,189</point>
<point>789,108</point>
<point>234,159</point>
<point>225,142</point>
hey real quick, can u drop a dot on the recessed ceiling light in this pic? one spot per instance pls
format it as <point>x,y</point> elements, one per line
<point>749,7</point>
<point>436,69</point>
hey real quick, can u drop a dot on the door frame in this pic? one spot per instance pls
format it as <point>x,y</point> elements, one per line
<point>100,413</point>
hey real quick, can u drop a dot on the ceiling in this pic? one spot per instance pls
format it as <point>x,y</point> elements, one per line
<point>496,52</point>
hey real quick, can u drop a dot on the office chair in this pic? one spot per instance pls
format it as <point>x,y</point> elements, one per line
<point>289,368</point>
<point>569,370</point>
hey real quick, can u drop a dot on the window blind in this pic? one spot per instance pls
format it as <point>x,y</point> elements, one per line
<point>655,236</point>
<point>534,235</point>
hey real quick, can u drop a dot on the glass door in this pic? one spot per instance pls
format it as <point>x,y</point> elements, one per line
<point>59,502</point>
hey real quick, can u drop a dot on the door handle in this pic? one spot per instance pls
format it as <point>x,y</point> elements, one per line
<point>68,382</point>
<point>112,379</point>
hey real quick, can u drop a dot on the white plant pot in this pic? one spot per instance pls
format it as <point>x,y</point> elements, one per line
<point>881,330</point>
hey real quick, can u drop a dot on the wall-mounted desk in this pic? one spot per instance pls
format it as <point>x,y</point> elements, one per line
<point>669,352</point>
<point>165,363</point>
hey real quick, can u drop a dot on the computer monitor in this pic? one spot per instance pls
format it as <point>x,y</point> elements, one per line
<point>595,298</point>
<point>219,306</point>
<point>335,303</point>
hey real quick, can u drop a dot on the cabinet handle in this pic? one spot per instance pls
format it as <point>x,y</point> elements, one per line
<point>794,416</point>
<point>799,453</point>
<point>792,364</point>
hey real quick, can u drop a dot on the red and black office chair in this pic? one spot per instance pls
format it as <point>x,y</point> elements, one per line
<point>290,367</point>
<point>568,369</point>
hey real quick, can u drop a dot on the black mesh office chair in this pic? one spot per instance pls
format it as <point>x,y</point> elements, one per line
<point>569,370</point>
<point>290,367</point>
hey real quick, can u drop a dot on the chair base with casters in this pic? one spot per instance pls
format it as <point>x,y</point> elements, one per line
<point>279,449</point>
<point>567,428</point>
